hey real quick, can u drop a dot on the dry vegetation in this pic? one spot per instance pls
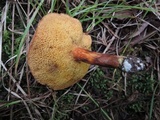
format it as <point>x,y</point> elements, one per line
<point>124,27</point>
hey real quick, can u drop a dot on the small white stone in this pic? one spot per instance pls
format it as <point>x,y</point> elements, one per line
<point>142,65</point>
<point>138,60</point>
<point>138,68</point>
<point>127,66</point>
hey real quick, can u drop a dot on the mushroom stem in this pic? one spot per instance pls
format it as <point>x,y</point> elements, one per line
<point>95,58</point>
<point>127,64</point>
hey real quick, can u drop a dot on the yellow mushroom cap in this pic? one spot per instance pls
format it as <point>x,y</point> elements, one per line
<point>50,53</point>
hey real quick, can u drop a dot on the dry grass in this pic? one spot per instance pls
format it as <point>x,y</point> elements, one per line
<point>123,28</point>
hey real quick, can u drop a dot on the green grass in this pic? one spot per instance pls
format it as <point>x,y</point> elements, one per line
<point>102,93</point>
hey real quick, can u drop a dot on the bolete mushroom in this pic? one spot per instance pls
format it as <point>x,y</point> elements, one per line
<point>59,54</point>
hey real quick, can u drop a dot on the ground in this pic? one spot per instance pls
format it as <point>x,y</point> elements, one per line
<point>128,28</point>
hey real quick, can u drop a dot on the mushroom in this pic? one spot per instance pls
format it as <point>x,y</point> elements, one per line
<point>60,53</point>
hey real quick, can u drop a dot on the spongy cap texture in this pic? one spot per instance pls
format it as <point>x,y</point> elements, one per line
<point>50,53</point>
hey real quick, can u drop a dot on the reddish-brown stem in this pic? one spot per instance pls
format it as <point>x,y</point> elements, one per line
<point>95,58</point>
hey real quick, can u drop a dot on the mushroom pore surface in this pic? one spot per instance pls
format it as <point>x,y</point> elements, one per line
<point>50,53</point>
